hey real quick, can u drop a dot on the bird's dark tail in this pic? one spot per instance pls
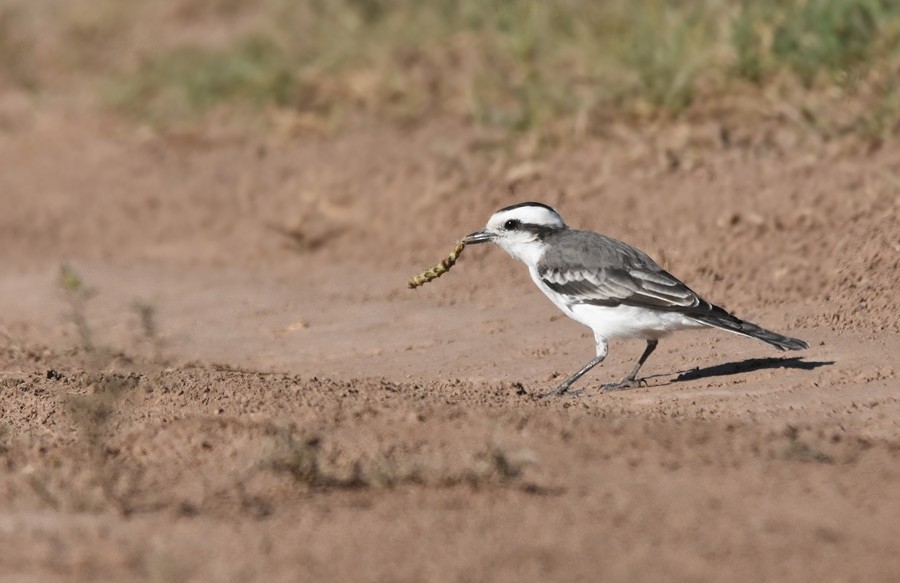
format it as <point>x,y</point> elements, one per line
<point>725,321</point>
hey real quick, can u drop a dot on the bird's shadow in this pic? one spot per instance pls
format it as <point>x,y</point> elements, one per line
<point>749,365</point>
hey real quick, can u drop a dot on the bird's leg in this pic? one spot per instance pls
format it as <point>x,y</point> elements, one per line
<point>629,382</point>
<point>562,388</point>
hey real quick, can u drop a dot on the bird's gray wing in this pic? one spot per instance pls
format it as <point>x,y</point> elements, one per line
<point>593,269</point>
<point>617,286</point>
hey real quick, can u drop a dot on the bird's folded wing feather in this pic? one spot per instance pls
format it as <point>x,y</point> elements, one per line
<point>614,286</point>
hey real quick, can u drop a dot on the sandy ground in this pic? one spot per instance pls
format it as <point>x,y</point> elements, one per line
<point>245,390</point>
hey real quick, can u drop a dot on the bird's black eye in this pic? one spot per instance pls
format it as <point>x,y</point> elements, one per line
<point>511,224</point>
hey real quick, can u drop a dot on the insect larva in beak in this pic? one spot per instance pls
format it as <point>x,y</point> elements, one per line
<point>439,269</point>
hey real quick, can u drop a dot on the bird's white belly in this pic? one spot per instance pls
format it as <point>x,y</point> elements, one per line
<point>630,321</point>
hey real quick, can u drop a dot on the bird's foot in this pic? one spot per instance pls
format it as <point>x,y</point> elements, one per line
<point>624,384</point>
<point>560,391</point>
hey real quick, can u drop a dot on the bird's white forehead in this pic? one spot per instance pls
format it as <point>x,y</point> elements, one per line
<point>532,215</point>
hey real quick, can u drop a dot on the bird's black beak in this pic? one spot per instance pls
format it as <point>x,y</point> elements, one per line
<point>478,237</point>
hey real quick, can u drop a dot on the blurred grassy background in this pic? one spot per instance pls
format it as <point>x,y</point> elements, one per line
<point>519,65</point>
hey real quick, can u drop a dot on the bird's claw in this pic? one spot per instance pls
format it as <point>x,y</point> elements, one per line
<point>560,391</point>
<point>624,384</point>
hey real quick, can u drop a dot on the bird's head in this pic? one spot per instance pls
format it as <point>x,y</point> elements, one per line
<point>520,230</point>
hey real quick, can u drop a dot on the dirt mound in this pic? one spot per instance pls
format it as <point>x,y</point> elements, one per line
<point>319,472</point>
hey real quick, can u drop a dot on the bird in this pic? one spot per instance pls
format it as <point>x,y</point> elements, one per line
<point>614,289</point>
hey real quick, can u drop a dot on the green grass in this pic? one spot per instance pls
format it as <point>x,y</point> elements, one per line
<point>814,38</point>
<point>188,81</point>
<point>13,50</point>
<point>516,64</point>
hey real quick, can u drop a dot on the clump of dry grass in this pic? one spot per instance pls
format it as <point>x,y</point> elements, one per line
<point>309,463</point>
<point>94,414</point>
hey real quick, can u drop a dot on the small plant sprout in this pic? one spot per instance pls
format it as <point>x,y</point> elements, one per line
<point>77,295</point>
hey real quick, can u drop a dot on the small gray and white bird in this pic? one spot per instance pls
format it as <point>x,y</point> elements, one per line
<point>607,285</point>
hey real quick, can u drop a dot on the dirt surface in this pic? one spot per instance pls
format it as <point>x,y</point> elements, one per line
<point>232,382</point>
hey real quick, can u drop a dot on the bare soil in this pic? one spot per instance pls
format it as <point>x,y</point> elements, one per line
<point>245,390</point>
